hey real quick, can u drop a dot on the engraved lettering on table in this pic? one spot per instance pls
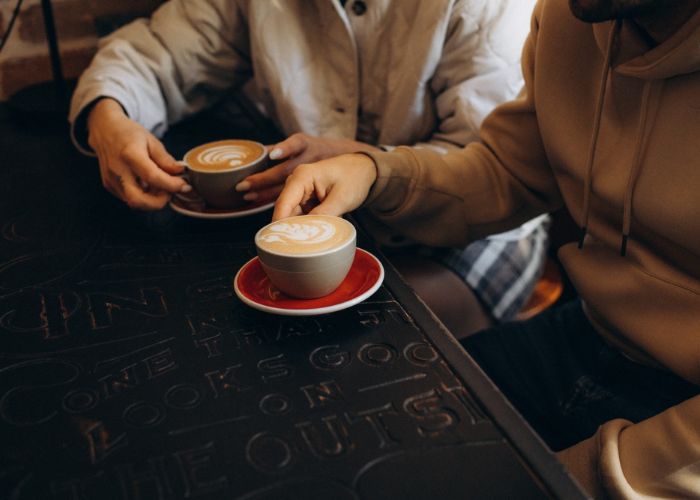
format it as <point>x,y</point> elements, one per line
<point>220,328</point>
<point>29,382</point>
<point>9,232</point>
<point>370,317</point>
<point>236,330</point>
<point>329,357</point>
<point>160,363</point>
<point>101,443</point>
<point>114,383</point>
<point>49,313</point>
<point>142,414</point>
<point>248,337</point>
<point>56,309</point>
<point>298,327</point>
<point>202,324</point>
<point>375,418</point>
<point>210,290</point>
<point>211,344</point>
<point>386,383</point>
<point>456,389</point>
<point>128,377</point>
<point>170,256</point>
<point>80,400</point>
<point>420,354</point>
<point>432,415</point>
<point>275,404</point>
<point>224,381</point>
<point>268,453</point>
<point>476,415</point>
<point>322,393</point>
<point>196,465</point>
<point>446,374</point>
<point>145,482</point>
<point>121,354</point>
<point>329,440</point>
<point>182,397</point>
<point>146,302</point>
<point>376,313</point>
<point>377,354</point>
<point>276,367</point>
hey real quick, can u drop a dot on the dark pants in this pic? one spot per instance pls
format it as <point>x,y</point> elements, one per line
<point>566,381</point>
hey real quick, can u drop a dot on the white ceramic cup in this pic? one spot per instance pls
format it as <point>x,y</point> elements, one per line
<point>215,168</point>
<point>307,256</point>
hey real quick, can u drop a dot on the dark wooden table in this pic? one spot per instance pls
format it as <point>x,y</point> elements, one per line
<point>130,370</point>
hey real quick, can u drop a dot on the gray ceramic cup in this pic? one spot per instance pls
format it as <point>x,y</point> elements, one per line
<point>215,168</point>
<point>307,256</point>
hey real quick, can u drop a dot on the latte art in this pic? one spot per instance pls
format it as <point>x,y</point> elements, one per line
<point>230,154</point>
<point>305,234</point>
<point>287,233</point>
<point>224,155</point>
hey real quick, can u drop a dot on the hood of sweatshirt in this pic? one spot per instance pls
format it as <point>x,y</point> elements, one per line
<point>634,56</point>
<point>629,53</point>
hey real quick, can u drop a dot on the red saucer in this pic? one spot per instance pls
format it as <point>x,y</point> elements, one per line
<point>254,288</point>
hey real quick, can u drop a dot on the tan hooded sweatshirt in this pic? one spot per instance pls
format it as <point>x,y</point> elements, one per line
<point>610,128</point>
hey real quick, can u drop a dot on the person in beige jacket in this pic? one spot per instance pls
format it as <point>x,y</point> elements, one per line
<point>607,126</point>
<point>336,76</point>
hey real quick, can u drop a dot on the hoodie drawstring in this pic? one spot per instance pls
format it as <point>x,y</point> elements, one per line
<point>596,129</point>
<point>642,135</point>
<point>639,147</point>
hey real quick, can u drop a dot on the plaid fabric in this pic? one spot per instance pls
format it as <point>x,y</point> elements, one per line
<point>501,269</point>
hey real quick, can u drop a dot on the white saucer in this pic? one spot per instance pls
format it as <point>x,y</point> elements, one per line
<point>192,205</point>
<point>254,288</point>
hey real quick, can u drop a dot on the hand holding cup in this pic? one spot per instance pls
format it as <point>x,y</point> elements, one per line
<point>295,150</point>
<point>215,168</point>
<point>134,165</point>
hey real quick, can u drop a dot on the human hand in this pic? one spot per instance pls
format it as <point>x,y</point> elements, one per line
<point>134,165</point>
<point>333,187</point>
<point>295,150</point>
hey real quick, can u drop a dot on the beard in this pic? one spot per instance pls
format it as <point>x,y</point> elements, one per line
<point>593,11</point>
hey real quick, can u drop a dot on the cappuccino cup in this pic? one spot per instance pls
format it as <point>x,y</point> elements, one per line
<point>307,256</point>
<point>215,168</point>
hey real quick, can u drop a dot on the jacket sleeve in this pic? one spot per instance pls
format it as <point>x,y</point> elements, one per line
<point>167,67</point>
<point>479,67</point>
<point>488,187</point>
<point>656,458</point>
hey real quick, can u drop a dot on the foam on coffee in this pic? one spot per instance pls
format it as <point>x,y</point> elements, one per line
<point>223,155</point>
<point>305,234</point>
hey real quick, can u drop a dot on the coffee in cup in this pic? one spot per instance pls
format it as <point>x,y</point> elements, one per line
<point>215,168</point>
<point>307,256</point>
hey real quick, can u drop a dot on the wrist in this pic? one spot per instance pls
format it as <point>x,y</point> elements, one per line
<point>104,108</point>
<point>101,113</point>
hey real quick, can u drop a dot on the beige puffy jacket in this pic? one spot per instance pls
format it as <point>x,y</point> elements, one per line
<point>437,67</point>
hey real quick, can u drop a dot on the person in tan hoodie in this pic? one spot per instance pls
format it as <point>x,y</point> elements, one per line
<point>606,126</point>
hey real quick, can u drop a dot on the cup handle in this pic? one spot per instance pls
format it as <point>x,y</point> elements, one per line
<point>190,197</point>
<point>183,175</point>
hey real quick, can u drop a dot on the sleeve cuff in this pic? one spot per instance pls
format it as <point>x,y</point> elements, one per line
<point>395,176</point>
<point>81,106</point>
<point>78,129</point>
